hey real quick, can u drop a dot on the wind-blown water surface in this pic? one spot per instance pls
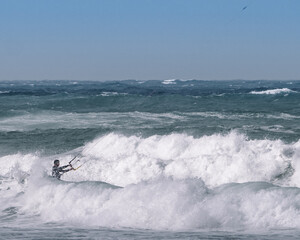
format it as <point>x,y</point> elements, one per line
<point>160,159</point>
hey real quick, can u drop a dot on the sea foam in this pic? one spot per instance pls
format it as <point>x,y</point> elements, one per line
<point>170,182</point>
<point>164,204</point>
<point>216,159</point>
<point>273,91</point>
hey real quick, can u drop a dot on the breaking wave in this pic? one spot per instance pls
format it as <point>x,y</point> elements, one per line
<point>274,91</point>
<point>165,204</point>
<point>174,182</point>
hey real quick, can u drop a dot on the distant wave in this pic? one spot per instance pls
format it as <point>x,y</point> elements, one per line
<point>108,94</point>
<point>26,121</point>
<point>273,91</point>
<point>175,80</point>
<point>169,81</point>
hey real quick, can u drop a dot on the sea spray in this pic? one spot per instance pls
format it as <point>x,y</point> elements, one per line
<point>216,159</point>
<point>165,204</point>
<point>187,159</point>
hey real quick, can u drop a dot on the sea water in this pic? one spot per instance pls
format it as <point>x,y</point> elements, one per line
<point>165,159</point>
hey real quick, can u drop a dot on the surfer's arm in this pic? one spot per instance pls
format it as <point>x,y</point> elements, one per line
<point>64,166</point>
<point>63,171</point>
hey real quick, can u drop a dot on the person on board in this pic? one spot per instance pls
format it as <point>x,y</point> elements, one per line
<point>58,171</point>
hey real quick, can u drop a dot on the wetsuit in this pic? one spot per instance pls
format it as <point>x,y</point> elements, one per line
<point>58,171</point>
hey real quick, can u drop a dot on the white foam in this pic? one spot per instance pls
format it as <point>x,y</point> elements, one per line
<point>216,159</point>
<point>42,120</point>
<point>172,182</point>
<point>16,162</point>
<point>14,172</point>
<point>55,119</point>
<point>108,94</point>
<point>164,203</point>
<point>295,178</point>
<point>274,91</point>
<point>169,81</point>
<point>240,115</point>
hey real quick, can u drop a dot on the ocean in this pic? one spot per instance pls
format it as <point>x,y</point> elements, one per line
<point>167,159</point>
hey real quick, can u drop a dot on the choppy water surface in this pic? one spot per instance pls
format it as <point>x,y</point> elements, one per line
<point>160,159</point>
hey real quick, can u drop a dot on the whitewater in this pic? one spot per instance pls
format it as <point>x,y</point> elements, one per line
<point>168,159</point>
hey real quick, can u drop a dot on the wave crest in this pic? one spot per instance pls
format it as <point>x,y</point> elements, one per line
<point>274,91</point>
<point>165,203</point>
<point>216,159</point>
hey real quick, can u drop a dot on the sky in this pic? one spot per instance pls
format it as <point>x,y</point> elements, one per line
<point>149,39</point>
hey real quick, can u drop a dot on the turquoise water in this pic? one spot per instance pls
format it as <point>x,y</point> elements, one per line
<point>190,159</point>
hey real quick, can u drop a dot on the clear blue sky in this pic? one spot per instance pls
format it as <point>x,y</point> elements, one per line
<point>149,39</point>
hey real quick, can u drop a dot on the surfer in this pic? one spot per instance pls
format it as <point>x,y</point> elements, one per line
<point>57,171</point>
